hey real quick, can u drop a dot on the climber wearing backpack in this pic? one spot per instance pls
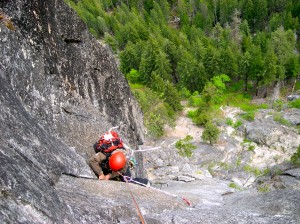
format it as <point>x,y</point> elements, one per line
<point>110,158</point>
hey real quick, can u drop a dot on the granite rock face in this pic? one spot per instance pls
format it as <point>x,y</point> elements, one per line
<point>60,89</point>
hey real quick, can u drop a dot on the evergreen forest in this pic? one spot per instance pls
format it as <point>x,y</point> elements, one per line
<point>209,52</point>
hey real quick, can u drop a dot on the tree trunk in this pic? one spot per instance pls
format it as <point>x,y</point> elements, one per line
<point>256,88</point>
<point>276,91</point>
<point>294,85</point>
<point>266,94</point>
<point>246,83</point>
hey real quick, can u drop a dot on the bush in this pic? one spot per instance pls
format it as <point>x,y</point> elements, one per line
<point>156,112</point>
<point>263,188</point>
<point>111,41</point>
<point>185,93</point>
<point>195,100</point>
<point>237,124</point>
<point>229,121</point>
<point>155,125</point>
<point>295,159</point>
<point>295,104</point>
<point>167,91</point>
<point>184,147</point>
<point>211,133</point>
<point>279,118</point>
<point>254,170</point>
<point>249,116</point>
<point>233,185</point>
<point>278,105</point>
<point>201,118</point>
<point>133,76</point>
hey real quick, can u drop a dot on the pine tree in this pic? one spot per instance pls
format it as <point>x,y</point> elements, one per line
<point>211,133</point>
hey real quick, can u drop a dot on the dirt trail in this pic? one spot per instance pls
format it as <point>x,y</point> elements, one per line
<point>184,126</point>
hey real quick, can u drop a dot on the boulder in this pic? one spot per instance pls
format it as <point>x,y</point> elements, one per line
<point>292,116</point>
<point>272,134</point>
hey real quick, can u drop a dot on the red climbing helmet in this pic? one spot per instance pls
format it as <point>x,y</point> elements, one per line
<point>117,161</point>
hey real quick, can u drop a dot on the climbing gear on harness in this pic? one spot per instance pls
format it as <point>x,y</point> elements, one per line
<point>132,163</point>
<point>117,161</point>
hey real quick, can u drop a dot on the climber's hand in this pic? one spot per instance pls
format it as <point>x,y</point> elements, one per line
<point>101,177</point>
<point>107,177</point>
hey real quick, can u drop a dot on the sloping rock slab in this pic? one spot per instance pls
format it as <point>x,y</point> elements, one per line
<point>294,173</point>
<point>90,201</point>
<point>292,115</point>
<point>268,132</point>
<point>94,201</point>
<point>281,206</point>
<point>205,153</point>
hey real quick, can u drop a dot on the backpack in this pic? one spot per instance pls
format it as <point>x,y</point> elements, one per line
<point>109,142</point>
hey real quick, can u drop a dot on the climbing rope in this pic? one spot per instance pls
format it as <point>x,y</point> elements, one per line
<point>126,178</point>
<point>129,179</point>
<point>135,202</point>
<point>133,163</point>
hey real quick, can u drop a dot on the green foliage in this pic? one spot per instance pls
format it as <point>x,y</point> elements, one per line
<point>226,166</point>
<point>238,161</point>
<point>111,41</point>
<point>251,148</point>
<point>185,93</point>
<point>295,159</point>
<point>242,101</point>
<point>247,141</point>
<point>191,113</point>
<point>155,125</point>
<point>167,91</point>
<point>212,37</point>
<point>249,116</point>
<point>210,133</point>
<point>252,42</point>
<point>297,85</point>
<point>171,96</point>
<point>156,112</point>
<point>219,81</point>
<point>279,118</point>
<point>184,147</point>
<point>201,118</point>
<point>214,88</point>
<point>263,188</point>
<point>229,121</point>
<point>253,170</point>
<point>235,186</point>
<point>237,124</point>
<point>278,105</point>
<point>266,171</point>
<point>195,100</point>
<point>133,76</point>
<point>295,104</point>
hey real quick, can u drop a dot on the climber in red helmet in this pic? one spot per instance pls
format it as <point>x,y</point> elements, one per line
<point>110,158</point>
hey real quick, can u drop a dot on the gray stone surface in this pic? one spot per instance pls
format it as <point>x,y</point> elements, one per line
<point>294,173</point>
<point>292,115</point>
<point>60,89</point>
<point>212,201</point>
<point>272,134</point>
